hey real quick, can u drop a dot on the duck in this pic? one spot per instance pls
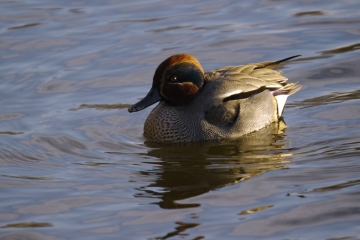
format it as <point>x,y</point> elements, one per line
<point>225,103</point>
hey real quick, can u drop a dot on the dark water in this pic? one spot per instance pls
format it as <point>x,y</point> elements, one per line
<point>74,163</point>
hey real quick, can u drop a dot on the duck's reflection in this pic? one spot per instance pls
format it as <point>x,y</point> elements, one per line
<point>190,169</point>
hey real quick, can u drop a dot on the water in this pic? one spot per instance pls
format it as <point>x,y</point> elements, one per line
<point>74,163</point>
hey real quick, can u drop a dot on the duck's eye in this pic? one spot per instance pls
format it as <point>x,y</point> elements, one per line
<point>173,78</point>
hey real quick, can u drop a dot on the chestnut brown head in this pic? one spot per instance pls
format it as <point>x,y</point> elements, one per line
<point>177,80</point>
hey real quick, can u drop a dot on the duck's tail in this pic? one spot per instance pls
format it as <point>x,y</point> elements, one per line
<point>271,65</point>
<point>282,94</point>
<point>288,89</point>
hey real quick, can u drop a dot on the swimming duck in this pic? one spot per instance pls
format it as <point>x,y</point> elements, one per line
<point>228,102</point>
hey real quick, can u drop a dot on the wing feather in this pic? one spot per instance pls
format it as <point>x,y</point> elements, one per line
<point>254,78</point>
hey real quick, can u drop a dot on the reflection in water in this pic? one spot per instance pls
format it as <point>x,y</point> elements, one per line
<point>310,13</point>
<point>24,26</point>
<point>349,48</point>
<point>336,97</point>
<point>27,225</point>
<point>28,177</point>
<point>330,53</point>
<point>338,186</point>
<point>182,227</point>
<point>254,210</point>
<point>190,169</point>
<point>102,106</point>
<point>11,133</point>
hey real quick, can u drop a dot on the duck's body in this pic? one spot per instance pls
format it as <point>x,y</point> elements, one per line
<point>228,103</point>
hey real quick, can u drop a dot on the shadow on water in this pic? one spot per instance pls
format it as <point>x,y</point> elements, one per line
<point>190,169</point>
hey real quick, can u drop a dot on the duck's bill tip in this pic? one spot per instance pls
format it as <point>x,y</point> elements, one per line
<point>152,97</point>
<point>133,109</point>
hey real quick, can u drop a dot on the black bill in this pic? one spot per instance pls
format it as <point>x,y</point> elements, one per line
<point>152,97</point>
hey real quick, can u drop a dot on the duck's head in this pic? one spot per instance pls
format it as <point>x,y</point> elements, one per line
<point>177,80</point>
